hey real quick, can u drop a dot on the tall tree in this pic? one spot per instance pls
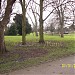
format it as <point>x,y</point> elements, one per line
<point>4,21</point>
<point>24,9</point>
<point>23,4</point>
<point>59,11</point>
<point>61,19</point>
<point>41,40</point>
<point>62,8</point>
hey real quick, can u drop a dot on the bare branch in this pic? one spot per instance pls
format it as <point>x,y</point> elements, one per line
<point>0,4</point>
<point>36,2</point>
<point>49,14</point>
<point>56,8</point>
<point>48,4</point>
<point>28,3</point>
<point>31,19</point>
<point>21,2</point>
<point>8,11</point>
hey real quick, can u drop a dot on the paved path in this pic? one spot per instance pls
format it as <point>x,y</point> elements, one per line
<point>64,66</point>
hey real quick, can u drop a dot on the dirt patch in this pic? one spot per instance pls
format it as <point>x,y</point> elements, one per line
<point>30,50</point>
<point>21,54</point>
<point>30,53</point>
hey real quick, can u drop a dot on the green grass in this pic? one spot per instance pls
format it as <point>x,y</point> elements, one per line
<point>65,47</point>
<point>67,37</point>
<point>30,37</point>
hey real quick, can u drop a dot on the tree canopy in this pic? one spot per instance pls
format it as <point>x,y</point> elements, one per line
<point>12,30</point>
<point>18,22</point>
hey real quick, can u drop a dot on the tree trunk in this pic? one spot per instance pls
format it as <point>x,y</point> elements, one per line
<point>23,23</point>
<point>62,22</point>
<point>41,40</point>
<point>2,43</point>
<point>36,32</point>
<point>4,22</point>
<point>61,19</point>
<point>61,32</point>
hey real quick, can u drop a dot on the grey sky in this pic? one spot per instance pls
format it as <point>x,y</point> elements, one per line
<point>17,9</point>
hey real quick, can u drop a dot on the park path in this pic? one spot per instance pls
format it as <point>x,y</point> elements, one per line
<point>64,66</point>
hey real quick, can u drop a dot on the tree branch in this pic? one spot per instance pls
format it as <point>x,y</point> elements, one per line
<point>8,11</point>
<point>0,4</point>
<point>31,19</point>
<point>56,8</point>
<point>36,2</point>
<point>28,4</point>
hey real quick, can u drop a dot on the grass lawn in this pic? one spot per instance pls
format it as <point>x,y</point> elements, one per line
<point>31,37</point>
<point>34,53</point>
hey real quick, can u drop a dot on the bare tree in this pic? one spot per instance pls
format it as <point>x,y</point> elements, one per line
<point>24,10</point>
<point>33,7</point>
<point>41,40</point>
<point>73,12</point>
<point>59,10</point>
<point>60,7</point>
<point>57,6</point>
<point>23,4</point>
<point>61,19</point>
<point>4,21</point>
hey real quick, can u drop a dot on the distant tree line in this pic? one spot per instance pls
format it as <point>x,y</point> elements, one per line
<point>16,27</point>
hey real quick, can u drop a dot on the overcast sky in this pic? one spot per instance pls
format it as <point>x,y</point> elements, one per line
<point>17,9</point>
